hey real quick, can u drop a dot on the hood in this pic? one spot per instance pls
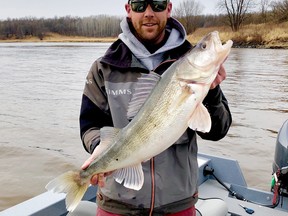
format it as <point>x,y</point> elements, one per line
<point>177,35</point>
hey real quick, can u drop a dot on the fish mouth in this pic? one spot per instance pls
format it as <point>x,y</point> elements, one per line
<point>213,41</point>
<point>228,44</point>
<point>209,55</point>
<point>222,49</point>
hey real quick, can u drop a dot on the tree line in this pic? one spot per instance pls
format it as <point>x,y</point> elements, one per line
<point>233,13</point>
<point>239,12</point>
<point>93,26</point>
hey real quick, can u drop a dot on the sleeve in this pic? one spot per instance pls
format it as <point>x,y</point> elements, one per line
<point>94,113</point>
<point>217,106</point>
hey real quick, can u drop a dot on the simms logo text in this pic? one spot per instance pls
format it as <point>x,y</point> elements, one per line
<point>119,91</point>
<point>89,81</point>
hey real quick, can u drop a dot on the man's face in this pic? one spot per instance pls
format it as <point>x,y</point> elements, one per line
<point>149,25</point>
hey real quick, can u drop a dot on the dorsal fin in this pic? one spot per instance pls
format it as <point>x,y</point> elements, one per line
<point>144,87</point>
<point>106,135</point>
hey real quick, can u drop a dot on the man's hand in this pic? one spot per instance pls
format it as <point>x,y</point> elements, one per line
<point>219,78</point>
<point>97,179</point>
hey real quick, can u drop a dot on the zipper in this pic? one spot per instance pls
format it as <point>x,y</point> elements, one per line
<point>152,187</point>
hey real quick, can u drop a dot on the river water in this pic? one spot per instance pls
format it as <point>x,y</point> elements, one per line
<point>41,88</point>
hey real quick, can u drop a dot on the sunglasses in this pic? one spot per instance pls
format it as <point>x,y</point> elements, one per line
<point>140,6</point>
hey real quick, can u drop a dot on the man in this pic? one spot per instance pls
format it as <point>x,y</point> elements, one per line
<point>150,37</point>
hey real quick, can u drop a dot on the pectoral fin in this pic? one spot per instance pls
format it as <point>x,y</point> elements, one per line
<point>133,177</point>
<point>200,119</point>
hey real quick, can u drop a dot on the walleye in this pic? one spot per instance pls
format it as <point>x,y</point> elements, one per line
<point>174,101</point>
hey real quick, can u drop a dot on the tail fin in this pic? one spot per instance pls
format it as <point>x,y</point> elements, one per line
<point>72,184</point>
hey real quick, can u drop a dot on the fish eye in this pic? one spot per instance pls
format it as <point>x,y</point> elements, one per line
<point>203,46</point>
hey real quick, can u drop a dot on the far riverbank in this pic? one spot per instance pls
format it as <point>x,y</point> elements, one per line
<point>274,36</point>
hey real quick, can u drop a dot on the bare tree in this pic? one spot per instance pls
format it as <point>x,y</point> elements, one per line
<point>237,11</point>
<point>280,10</point>
<point>264,8</point>
<point>188,13</point>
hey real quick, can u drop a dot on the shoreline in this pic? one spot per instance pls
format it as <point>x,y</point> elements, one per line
<point>192,38</point>
<point>56,38</point>
<point>111,40</point>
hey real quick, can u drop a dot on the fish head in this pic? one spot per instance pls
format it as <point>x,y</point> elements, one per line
<point>201,64</point>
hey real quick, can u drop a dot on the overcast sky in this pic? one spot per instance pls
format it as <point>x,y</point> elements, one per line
<point>80,8</point>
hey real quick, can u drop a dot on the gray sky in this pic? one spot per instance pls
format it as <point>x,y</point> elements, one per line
<point>81,8</point>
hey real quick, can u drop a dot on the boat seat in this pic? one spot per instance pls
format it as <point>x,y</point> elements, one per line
<point>211,207</point>
<point>208,207</point>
